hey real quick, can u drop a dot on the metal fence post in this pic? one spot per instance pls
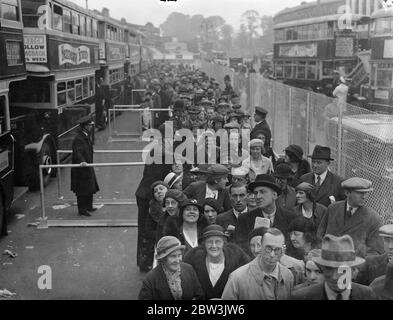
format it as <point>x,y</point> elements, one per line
<point>274,109</point>
<point>58,176</point>
<point>308,123</point>
<point>340,138</point>
<point>290,116</point>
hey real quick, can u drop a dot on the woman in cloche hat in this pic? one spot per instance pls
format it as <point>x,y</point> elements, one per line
<point>171,279</point>
<point>214,260</point>
<point>188,226</point>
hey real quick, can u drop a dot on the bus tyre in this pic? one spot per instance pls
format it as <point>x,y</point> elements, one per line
<point>46,157</point>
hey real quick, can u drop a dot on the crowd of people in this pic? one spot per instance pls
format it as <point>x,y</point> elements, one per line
<point>262,228</point>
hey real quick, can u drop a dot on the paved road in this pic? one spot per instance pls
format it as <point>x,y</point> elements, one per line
<point>86,263</point>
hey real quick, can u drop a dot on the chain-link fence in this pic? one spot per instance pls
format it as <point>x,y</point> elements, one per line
<point>361,140</point>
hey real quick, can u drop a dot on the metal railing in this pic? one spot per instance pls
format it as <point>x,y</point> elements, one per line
<point>45,223</point>
<point>130,135</point>
<point>104,201</point>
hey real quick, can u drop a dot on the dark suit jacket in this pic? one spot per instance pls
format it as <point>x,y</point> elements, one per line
<point>227,219</point>
<point>155,285</point>
<point>263,126</point>
<point>83,180</point>
<point>363,227</point>
<point>331,186</point>
<point>197,191</point>
<point>317,292</point>
<point>246,223</point>
<point>234,259</point>
<point>374,267</point>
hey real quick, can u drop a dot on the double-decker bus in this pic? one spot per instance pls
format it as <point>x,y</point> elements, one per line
<point>114,53</point>
<point>311,42</point>
<point>379,91</point>
<point>12,68</point>
<point>62,56</point>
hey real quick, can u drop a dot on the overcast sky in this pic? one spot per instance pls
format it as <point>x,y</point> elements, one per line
<point>156,11</point>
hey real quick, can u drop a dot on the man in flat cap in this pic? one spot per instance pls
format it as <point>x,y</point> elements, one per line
<point>262,125</point>
<point>353,218</point>
<point>214,187</point>
<point>327,184</point>
<point>376,265</point>
<point>83,180</point>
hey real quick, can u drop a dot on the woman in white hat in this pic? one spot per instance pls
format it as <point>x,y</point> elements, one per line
<point>171,279</point>
<point>257,163</point>
<point>174,181</point>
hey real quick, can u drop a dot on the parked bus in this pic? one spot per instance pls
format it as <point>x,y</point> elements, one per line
<point>310,43</point>
<point>379,91</point>
<point>12,68</point>
<point>61,50</point>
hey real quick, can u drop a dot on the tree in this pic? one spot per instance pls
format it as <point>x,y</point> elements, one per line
<point>251,18</point>
<point>227,38</point>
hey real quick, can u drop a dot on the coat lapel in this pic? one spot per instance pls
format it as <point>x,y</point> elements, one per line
<point>356,220</point>
<point>325,187</point>
<point>339,217</point>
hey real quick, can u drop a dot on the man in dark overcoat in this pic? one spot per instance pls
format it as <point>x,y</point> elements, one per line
<point>327,184</point>
<point>352,217</point>
<point>262,125</point>
<point>83,180</point>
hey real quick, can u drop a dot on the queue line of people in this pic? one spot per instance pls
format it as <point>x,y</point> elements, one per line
<point>266,229</point>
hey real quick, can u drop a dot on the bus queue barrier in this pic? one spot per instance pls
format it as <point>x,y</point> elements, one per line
<point>61,197</point>
<point>45,223</point>
<point>134,122</point>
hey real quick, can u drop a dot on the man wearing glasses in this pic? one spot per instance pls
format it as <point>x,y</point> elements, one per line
<point>264,278</point>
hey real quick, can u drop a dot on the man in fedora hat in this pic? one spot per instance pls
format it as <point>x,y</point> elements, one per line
<point>268,214</point>
<point>83,180</point>
<point>262,125</point>
<point>214,187</point>
<point>287,199</point>
<point>328,185</point>
<point>353,218</point>
<point>337,253</point>
<point>375,265</point>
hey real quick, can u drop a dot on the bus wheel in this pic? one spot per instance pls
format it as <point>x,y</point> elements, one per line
<point>45,158</point>
<point>3,218</point>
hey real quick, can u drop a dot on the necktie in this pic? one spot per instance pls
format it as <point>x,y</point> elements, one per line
<point>339,297</point>
<point>318,181</point>
<point>348,214</point>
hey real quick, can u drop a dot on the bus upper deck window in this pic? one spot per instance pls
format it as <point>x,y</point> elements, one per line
<point>57,18</point>
<point>9,10</point>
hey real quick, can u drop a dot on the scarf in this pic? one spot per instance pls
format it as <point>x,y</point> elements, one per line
<point>174,282</point>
